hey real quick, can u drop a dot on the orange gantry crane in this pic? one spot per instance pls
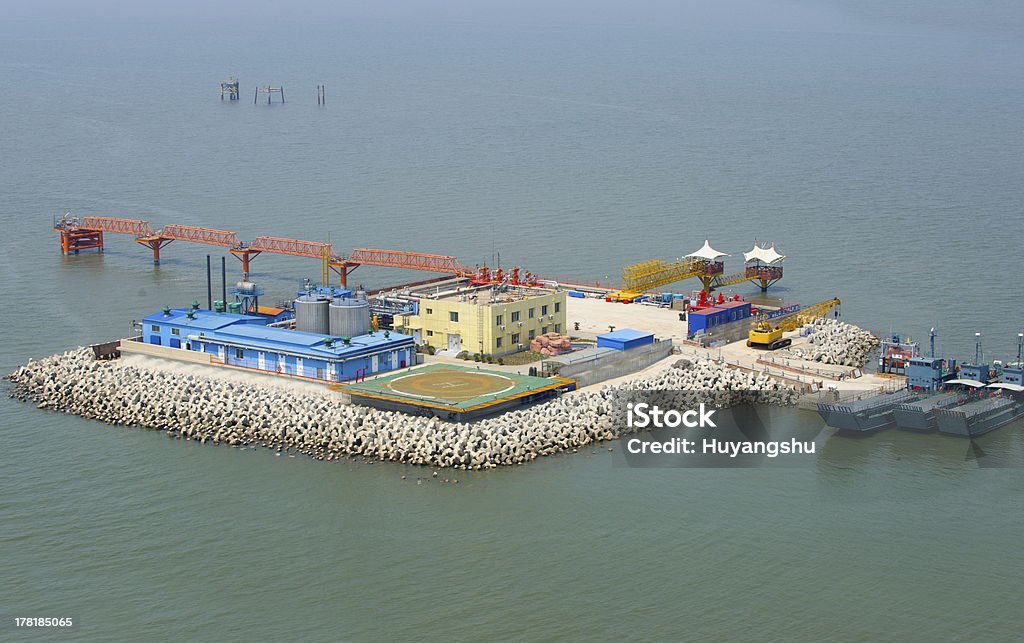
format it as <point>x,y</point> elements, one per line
<point>86,233</point>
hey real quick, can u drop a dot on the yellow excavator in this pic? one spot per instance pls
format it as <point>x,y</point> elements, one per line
<point>767,333</point>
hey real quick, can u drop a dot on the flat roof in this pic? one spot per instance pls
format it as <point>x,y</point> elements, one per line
<point>269,310</point>
<point>271,338</point>
<point>705,311</point>
<point>270,334</point>
<point>483,294</point>
<point>625,335</point>
<point>203,320</point>
<point>732,304</point>
<point>253,331</point>
<point>453,388</point>
<point>583,355</point>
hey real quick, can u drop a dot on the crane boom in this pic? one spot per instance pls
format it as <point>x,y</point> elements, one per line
<point>767,333</point>
<point>648,275</point>
<point>797,319</point>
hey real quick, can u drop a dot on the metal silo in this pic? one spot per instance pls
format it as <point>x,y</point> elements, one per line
<point>311,314</point>
<point>349,317</point>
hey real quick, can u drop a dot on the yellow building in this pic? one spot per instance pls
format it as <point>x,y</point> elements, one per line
<point>485,320</point>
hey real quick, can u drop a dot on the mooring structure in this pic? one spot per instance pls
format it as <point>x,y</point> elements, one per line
<point>229,88</point>
<point>269,91</point>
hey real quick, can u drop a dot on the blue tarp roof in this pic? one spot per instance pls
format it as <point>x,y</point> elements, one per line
<point>625,335</point>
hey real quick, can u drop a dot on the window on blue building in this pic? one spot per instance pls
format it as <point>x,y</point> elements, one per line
<point>154,328</point>
<point>239,353</point>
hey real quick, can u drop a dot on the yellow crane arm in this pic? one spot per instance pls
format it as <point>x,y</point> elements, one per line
<point>805,315</point>
<point>767,333</point>
<point>642,277</point>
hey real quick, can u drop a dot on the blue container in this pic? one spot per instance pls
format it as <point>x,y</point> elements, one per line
<point>576,293</point>
<point>625,339</point>
<point>703,319</point>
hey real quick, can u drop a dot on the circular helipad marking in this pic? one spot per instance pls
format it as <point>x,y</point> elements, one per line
<point>451,385</point>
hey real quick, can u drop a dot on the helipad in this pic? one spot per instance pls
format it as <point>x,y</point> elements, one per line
<point>454,392</point>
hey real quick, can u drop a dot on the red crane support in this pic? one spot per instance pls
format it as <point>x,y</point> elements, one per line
<point>170,233</point>
<point>311,249</point>
<point>201,235</point>
<point>282,246</point>
<point>89,234</point>
<point>120,226</point>
<point>411,260</point>
<point>395,259</point>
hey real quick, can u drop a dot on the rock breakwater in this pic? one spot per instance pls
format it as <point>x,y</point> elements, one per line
<point>835,342</point>
<point>322,426</point>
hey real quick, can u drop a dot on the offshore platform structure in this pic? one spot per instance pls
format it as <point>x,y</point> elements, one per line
<point>269,91</point>
<point>763,268</point>
<point>229,88</point>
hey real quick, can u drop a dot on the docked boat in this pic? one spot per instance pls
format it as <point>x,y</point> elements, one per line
<point>997,398</point>
<point>928,376</point>
<point>867,415</point>
<point>919,415</point>
<point>877,412</point>
<point>968,399</point>
<point>980,416</point>
<point>895,354</point>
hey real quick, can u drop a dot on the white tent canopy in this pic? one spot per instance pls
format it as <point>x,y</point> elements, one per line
<point>966,382</point>
<point>763,254</point>
<point>1009,386</point>
<point>707,252</point>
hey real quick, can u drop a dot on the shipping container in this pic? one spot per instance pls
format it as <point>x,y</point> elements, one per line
<point>625,339</point>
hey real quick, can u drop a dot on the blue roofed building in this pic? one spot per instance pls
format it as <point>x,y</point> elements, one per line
<point>625,339</point>
<point>247,341</point>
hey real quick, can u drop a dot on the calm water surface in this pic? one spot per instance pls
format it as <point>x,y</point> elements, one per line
<point>882,152</point>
